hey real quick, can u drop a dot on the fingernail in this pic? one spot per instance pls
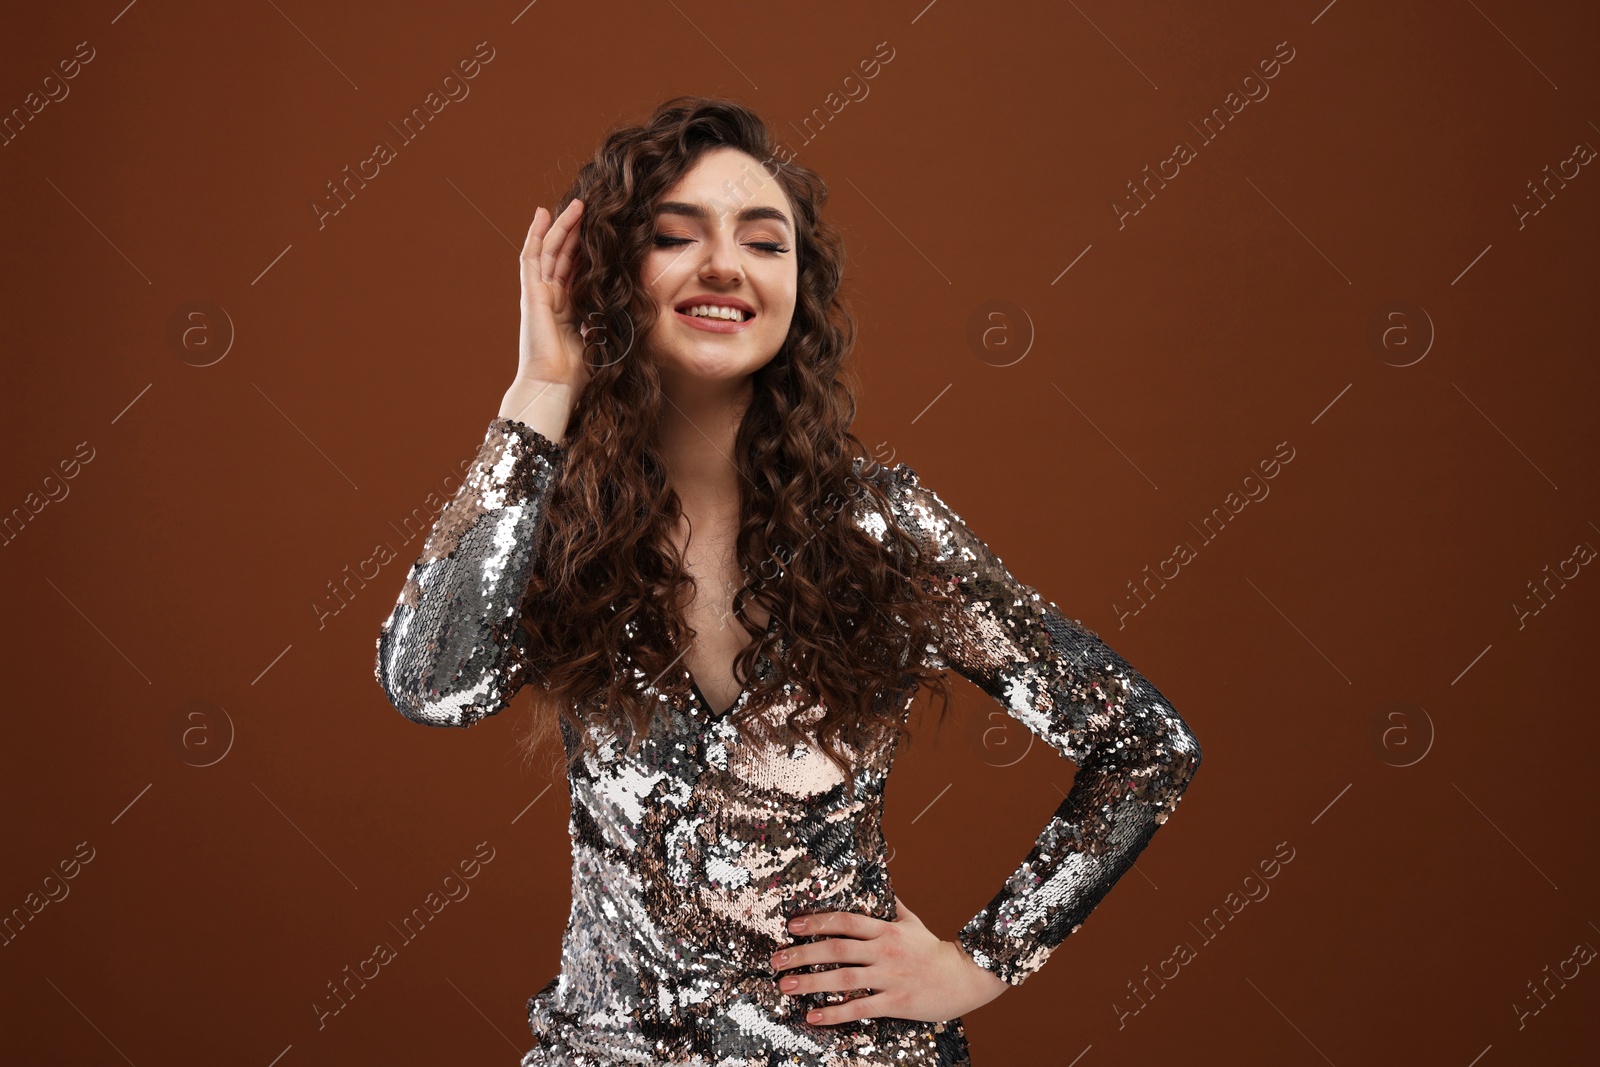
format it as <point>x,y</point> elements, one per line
<point>814,1017</point>
<point>797,925</point>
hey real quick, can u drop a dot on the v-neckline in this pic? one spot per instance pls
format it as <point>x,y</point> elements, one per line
<point>744,690</point>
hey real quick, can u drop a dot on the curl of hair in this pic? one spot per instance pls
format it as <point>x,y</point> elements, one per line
<point>604,609</point>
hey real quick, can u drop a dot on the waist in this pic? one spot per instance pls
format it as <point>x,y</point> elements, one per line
<point>683,934</point>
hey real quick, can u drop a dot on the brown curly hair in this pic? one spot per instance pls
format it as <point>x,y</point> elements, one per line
<point>853,610</point>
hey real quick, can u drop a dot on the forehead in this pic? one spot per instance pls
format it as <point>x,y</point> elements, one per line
<point>727,182</point>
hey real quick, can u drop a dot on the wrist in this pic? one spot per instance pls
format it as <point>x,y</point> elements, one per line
<point>545,406</point>
<point>990,981</point>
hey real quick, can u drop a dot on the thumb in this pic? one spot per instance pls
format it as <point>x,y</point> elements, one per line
<point>902,912</point>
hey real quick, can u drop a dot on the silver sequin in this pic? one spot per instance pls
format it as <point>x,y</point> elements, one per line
<point>690,855</point>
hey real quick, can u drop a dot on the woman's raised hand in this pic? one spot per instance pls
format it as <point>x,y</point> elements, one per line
<point>551,343</point>
<point>551,370</point>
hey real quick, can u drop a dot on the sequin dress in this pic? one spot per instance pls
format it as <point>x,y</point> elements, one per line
<point>690,856</point>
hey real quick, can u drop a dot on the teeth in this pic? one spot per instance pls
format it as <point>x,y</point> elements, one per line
<point>713,311</point>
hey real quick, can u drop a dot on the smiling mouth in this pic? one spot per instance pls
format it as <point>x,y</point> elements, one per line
<point>718,313</point>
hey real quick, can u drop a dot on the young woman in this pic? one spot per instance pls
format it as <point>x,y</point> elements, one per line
<point>727,609</point>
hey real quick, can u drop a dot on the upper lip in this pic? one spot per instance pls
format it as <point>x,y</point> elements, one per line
<point>716,301</point>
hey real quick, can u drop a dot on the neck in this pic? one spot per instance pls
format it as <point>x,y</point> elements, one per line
<point>699,424</point>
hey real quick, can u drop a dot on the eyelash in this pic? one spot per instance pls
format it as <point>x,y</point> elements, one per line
<point>668,242</point>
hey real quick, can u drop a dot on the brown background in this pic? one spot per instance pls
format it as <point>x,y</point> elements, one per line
<point>1347,648</point>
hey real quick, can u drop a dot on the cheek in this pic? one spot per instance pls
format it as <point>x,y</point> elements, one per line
<point>785,313</point>
<point>663,275</point>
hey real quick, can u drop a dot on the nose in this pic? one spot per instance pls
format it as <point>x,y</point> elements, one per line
<point>721,258</point>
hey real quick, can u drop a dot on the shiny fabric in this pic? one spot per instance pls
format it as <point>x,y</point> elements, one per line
<point>690,856</point>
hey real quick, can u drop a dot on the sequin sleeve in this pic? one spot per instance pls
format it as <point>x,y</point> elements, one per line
<point>1135,755</point>
<point>452,651</point>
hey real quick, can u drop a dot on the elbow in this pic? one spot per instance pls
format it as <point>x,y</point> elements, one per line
<point>443,677</point>
<point>1168,767</point>
<point>411,704</point>
<point>1184,751</point>
<point>407,691</point>
<point>430,709</point>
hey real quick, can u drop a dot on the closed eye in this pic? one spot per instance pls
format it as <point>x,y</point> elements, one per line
<point>663,241</point>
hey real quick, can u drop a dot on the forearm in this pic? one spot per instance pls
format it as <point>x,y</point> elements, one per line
<point>1136,757</point>
<point>452,651</point>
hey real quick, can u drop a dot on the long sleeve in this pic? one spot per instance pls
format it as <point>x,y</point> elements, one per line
<point>452,651</point>
<point>1135,756</point>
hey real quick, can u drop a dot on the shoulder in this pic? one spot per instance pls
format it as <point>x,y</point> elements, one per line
<point>886,478</point>
<point>894,483</point>
<point>900,497</point>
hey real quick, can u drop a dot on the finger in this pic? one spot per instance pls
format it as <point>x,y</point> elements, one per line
<point>532,246</point>
<point>568,248</point>
<point>561,265</point>
<point>901,911</point>
<point>835,980</point>
<point>828,950</point>
<point>835,924</point>
<point>556,238</point>
<point>856,1008</point>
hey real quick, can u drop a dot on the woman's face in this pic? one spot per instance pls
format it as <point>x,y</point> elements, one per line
<point>724,236</point>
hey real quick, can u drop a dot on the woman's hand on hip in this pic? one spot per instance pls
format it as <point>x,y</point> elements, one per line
<point>911,973</point>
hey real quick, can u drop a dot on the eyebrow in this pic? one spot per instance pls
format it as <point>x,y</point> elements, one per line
<point>697,211</point>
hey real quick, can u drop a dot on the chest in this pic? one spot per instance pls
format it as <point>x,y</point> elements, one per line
<point>712,561</point>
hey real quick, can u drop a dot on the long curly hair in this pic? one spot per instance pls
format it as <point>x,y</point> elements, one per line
<point>603,611</point>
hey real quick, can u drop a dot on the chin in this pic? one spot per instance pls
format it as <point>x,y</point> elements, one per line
<point>707,363</point>
<point>709,368</point>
